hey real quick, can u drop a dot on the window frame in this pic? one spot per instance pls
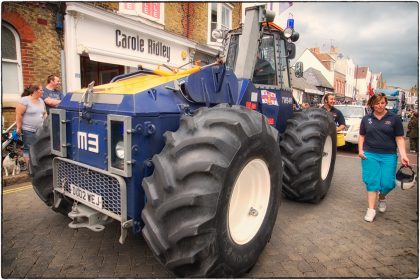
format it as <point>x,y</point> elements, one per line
<point>138,11</point>
<point>274,62</point>
<point>219,11</point>
<point>15,95</point>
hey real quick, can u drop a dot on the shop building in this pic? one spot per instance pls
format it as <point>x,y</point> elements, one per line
<point>31,46</point>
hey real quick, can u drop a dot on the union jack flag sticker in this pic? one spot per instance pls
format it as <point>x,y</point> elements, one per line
<point>269,98</point>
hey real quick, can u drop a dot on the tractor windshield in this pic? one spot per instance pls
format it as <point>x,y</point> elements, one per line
<point>264,70</point>
<point>232,52</point>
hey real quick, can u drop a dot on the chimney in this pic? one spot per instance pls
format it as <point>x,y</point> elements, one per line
<point>314,50</point>
<point>333,50</point>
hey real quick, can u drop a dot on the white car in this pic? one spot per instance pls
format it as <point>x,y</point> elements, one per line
<point>353,115</point>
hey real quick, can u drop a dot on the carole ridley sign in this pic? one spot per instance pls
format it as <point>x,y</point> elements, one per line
<point>136,43</point>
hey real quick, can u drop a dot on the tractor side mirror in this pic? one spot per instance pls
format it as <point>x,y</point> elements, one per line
<point>299,69</point>
<point>291,50</point>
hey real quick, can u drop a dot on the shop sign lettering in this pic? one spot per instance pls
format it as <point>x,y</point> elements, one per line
<point>136,43</point>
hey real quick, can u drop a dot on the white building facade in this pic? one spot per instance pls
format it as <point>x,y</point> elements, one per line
<point>363,78</point>
<point>96,35</point>
<point>310,60</point>
<point>347,67</point>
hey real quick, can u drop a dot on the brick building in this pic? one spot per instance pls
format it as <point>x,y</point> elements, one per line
<point>30,49</point>
<point>85,41</point>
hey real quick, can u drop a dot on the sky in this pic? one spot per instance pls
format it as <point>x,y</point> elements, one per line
<point>381,35</point>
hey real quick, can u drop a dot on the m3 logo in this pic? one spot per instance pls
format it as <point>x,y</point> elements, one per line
<point>88,141</point>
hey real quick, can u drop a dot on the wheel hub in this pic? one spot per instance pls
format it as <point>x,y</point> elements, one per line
<point>326,158</point>
<point>249,201</point>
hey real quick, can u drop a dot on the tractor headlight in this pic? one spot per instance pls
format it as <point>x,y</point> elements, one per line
<point>58,132</point>
<point>119,145</point>
<point>288,32</point>
<point>119,150</point>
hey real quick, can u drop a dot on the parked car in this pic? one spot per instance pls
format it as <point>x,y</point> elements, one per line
<point>353,115</point>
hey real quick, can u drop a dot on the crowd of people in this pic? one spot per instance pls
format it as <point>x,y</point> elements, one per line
<point>33,108</point>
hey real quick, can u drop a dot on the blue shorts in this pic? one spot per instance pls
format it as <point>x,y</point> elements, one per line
<point>28,138</point>
<point>378,172</point>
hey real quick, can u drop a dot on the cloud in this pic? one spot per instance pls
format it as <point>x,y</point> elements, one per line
<point>381,35</point>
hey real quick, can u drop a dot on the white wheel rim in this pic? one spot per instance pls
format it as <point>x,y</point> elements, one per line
<point>326,158</point>
<point>249,201</point>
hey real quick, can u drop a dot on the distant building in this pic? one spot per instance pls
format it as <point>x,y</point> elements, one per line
<point>315,78</point>
<point>305,92</point>
<point>345,66</point>
<point>363,77</point>
<point>377,80</point>
<point>325,65</point>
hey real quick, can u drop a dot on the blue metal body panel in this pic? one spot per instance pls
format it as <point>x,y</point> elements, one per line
<point>162,107</point>
<point>280,113</point>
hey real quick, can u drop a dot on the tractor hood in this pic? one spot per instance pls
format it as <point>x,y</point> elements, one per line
<point>159,92</point>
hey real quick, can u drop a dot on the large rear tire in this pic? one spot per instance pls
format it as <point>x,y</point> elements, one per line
<point>212,200</point>
<point>308,148</point>
<point>41,170</point>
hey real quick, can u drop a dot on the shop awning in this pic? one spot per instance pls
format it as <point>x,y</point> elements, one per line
<point>118,59</point>
<point>314,91</point>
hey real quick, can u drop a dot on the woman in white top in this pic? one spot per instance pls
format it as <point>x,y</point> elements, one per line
<point>30,114</point>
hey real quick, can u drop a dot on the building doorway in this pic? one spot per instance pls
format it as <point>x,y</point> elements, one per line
<point>101,73</point>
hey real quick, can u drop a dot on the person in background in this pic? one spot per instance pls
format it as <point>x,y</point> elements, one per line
<point>305,106</point>
<point>329,102</point>
<point>381,133</point>
<point>52,95</point>
<point>413,132</point>
<point>30,114</point>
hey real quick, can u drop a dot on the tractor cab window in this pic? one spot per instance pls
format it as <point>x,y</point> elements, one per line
<point>265,67</point>
<point>232,52</point>
<point>284,73</point>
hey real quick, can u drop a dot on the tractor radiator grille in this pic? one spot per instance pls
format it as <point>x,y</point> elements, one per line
<point>110,187</point>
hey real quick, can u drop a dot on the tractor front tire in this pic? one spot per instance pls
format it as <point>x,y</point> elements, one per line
<point>212,200</point>
<point>41,170</point>
<point>308,148</point>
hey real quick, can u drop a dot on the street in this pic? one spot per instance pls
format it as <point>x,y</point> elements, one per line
<point>329,239</point>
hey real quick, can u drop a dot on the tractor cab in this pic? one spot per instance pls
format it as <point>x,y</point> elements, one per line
<point>260,51</point>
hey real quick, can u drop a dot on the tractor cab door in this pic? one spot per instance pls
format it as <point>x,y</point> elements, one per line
<point>271,67</point>
<point>271,79</point>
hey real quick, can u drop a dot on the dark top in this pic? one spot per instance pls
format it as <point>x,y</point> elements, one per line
<point>337,115</point>
<point>55,94</point>
<point>380,134</point>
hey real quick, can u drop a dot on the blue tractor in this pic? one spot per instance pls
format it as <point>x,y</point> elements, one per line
<point>196,160</point>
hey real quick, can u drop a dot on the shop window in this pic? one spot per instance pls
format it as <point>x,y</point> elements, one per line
<point>11,71</point>
<point>101,73</point>
<point>220,17</point>
<point>153,11</point>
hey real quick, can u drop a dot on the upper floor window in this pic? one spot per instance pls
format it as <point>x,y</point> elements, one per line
<point>11,71</point>
<point>153,11</point>
<point>220,17</point>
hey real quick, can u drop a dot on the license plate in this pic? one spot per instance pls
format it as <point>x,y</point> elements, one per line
<point>86,196</point>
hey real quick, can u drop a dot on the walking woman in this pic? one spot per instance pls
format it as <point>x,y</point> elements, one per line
<point>30,114</point>
<point>381,134</point>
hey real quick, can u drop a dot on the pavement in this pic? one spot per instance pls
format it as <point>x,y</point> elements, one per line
<point>325,240</point>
